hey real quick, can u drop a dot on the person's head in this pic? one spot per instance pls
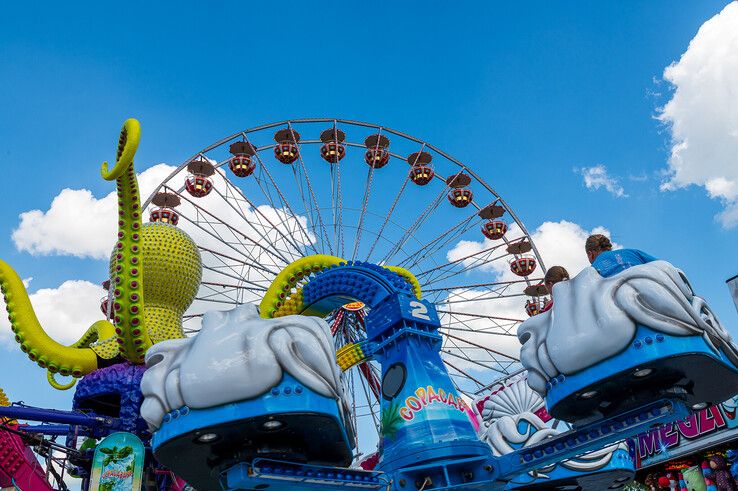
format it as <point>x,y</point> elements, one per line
<point>554,275</point>
<point>717,462</point>
<point>595,245</point>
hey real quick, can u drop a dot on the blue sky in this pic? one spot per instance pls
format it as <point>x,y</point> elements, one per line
<point>529,95</point>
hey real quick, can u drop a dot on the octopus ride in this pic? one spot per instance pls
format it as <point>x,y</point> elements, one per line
<point>277,325</point>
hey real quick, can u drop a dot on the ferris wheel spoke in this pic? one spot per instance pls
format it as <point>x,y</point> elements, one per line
<point>322,230</point>
<point>433,206</point>
<point>387,218</point>
<point>365,201</point>
<point>373,409</point>
<point>466,329</point>
<point>461,292</point>
<point>251,265</point>
<point>431,247</point>
<point>254,264</point>
<point>215,233</point>
<point>481,298</point>
<point>472,263</point>
<point>467,375</point>
<point>234,287</point>
<point>491,332</point>
<point>478,363</point>
<point>472,286</point>
<point>276,250</point>
<point>306,203</point>
<point>340,245</point>
<point>228,302</point>
<point>299,187</point>
<point>260,215</point>
<point>217,295</point>
<point>337,202</point>
<point>457,261</point>
<point>493,329</point>
<point>236,275</point>
<point>285,203</point>
<point>485,348</point>
<point>237,234</point>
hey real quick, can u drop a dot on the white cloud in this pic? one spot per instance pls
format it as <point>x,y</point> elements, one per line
<point>597,177</point>
<point>77,223</point>
<point>64,312</point>
<point>702,114</point>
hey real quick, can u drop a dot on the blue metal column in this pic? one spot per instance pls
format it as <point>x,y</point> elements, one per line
<point>425,423</point>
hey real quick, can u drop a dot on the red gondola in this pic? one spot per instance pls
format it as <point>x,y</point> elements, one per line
<point>421,173</point>
<point>494,229</point>
<point>332,150</point>
<point>460,196</point>
<point>242,164</point>
<point>537,303</point>
<point>523,265</point>
<point>164,215</point>
<point>286,149</point>
<point>377,154</point>
<point>166,202</point>
<point>198,182</point>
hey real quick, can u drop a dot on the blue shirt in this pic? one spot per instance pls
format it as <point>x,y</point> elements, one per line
<point>609,263</point>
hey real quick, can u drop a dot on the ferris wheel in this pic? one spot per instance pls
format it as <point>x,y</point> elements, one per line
<point>260,199</point>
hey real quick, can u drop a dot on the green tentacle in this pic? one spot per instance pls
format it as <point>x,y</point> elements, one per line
<point>128,302</point>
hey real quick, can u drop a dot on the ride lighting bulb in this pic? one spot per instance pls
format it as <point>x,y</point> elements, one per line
<point>208,438</point>
<point>272,425</point>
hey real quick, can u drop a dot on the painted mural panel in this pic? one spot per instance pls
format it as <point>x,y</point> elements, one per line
<point>118,463</point>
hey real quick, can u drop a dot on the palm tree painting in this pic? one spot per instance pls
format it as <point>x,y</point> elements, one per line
<point>114,455</point>
<point>391,420</point>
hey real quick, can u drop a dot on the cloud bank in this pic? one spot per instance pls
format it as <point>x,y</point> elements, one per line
<point>702,114</point>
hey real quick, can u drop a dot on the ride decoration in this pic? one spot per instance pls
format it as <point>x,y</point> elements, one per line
<point>285,296</point>
<point>644,327</point>
<point>143,261</point>
<point>514,417</point>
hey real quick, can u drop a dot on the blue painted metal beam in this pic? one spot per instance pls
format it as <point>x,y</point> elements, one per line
<point>55,416</point>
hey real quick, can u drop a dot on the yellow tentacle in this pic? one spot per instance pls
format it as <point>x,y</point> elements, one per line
<point>130,135</point>
<point>284,295</point>
<point>282,285</point>
<point>101,339</point>
<point>57,385</point>
<point>31,336</point>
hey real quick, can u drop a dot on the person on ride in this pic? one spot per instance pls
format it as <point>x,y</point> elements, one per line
<point>554,275</point>
<point>608,262</point>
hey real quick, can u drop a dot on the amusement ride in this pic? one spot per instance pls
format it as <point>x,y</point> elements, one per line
<point>329,304</point>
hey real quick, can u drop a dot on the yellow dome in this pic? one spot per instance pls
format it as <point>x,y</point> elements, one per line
<point>172,270</point>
